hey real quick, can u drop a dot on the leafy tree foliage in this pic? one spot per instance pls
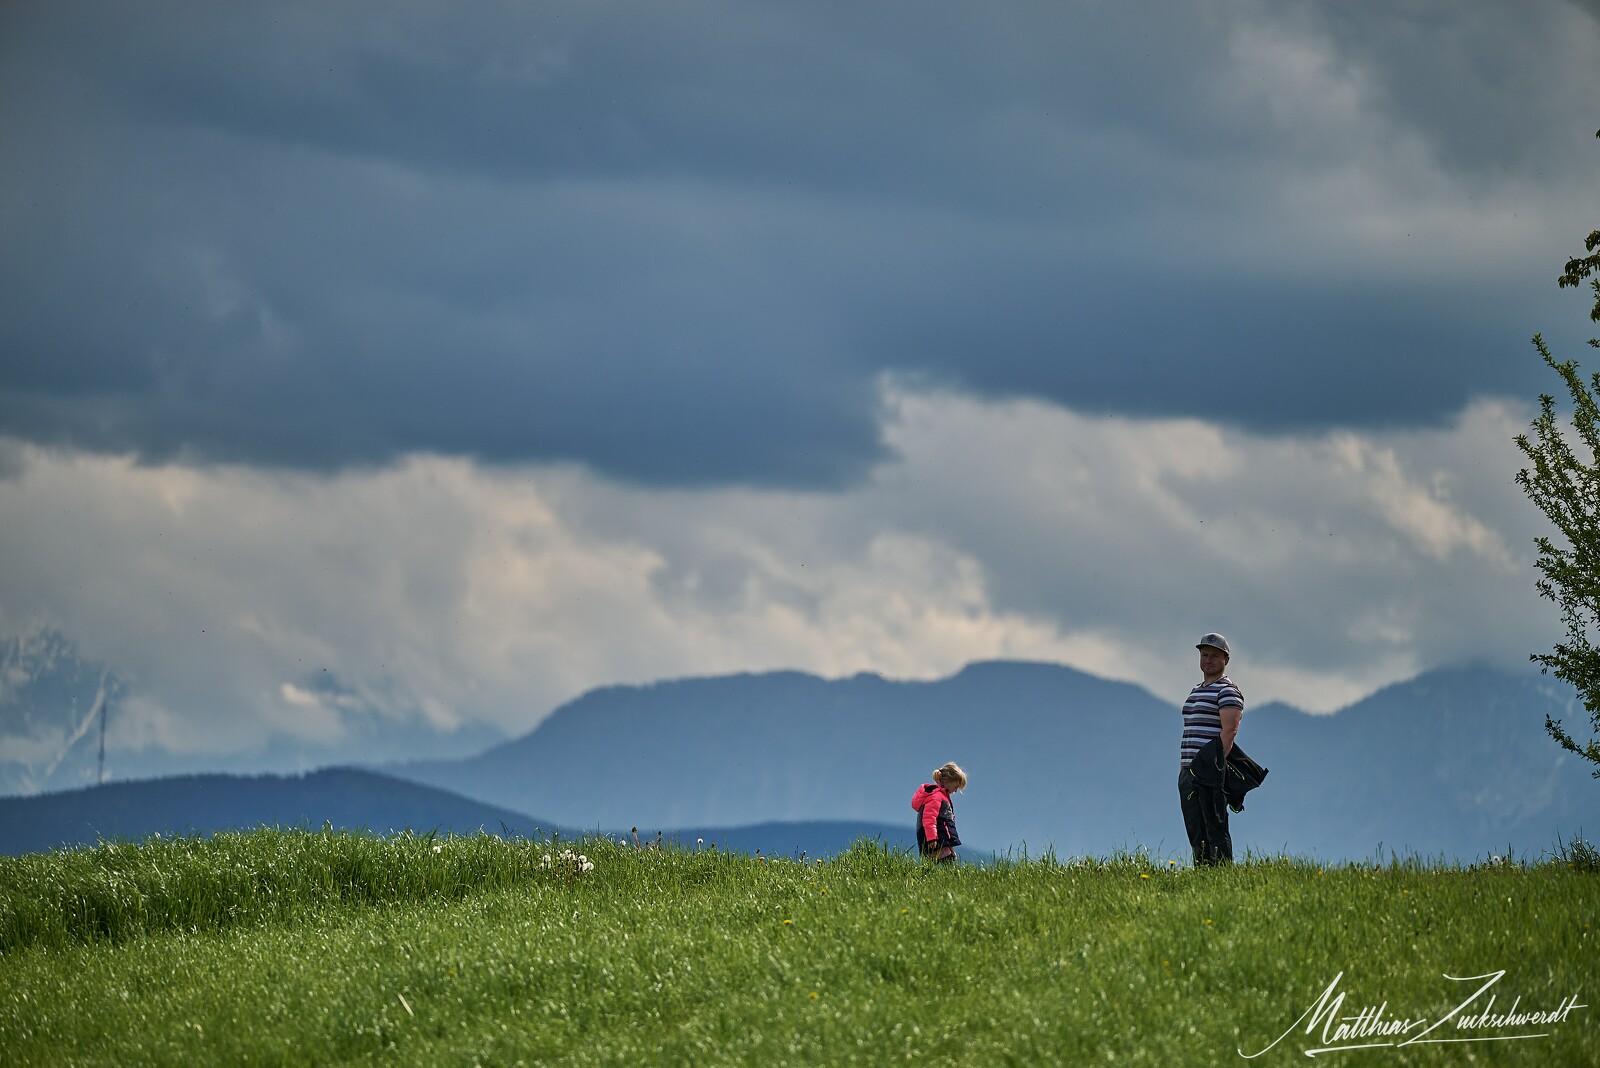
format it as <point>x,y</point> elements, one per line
<point>1566,487</point>
<point>1581,267</point>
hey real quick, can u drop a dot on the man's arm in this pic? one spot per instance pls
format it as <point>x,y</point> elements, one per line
<point>1230,716</point>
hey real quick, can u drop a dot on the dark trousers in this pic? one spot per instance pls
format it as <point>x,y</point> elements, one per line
<point>1205,817</point>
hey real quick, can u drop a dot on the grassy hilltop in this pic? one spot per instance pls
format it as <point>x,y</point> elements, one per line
<point>286,947</point>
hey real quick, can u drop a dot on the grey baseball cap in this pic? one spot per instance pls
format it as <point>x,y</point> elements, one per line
<point>1216,641</point>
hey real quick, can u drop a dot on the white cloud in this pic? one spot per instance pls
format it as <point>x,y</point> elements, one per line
<point>1336,562</point>
<point>444,592</point>
<point>1354,162</point>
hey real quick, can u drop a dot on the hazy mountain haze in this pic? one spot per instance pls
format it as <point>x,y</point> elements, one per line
<point>1455,762</point>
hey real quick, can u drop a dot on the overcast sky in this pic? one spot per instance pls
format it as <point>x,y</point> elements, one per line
<point>430,364</point>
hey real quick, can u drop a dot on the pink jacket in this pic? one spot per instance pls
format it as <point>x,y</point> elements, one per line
<point>936,825</point>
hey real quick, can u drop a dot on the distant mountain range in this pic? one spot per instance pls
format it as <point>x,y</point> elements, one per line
<point>1453,764</point>
<point>51,700</point>
<point>349,799</point>
<point>54,700</point>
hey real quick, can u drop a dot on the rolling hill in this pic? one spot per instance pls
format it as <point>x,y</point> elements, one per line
<point>1454,763</point>
<point>348,799</point>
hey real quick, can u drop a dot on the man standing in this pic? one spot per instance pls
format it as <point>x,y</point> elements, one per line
<point>1211,714</point>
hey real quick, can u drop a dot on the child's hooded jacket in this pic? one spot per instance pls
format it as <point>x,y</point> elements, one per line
<point>936,823</point>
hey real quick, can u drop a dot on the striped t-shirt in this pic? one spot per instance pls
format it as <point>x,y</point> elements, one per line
<point>1202,720</point>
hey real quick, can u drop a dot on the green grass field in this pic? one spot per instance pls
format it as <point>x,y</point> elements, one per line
<point>284,947</point>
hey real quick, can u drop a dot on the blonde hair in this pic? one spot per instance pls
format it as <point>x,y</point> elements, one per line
<point>951,777</point>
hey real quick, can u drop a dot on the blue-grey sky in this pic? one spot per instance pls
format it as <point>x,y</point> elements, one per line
<point>484,353</point>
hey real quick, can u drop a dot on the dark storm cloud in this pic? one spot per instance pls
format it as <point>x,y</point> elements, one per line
<point>681,243</point>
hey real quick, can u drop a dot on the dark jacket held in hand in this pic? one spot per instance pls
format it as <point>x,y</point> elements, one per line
<point>1237,775</point>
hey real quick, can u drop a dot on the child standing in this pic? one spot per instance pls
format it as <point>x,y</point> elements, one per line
<point>936,822</point>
